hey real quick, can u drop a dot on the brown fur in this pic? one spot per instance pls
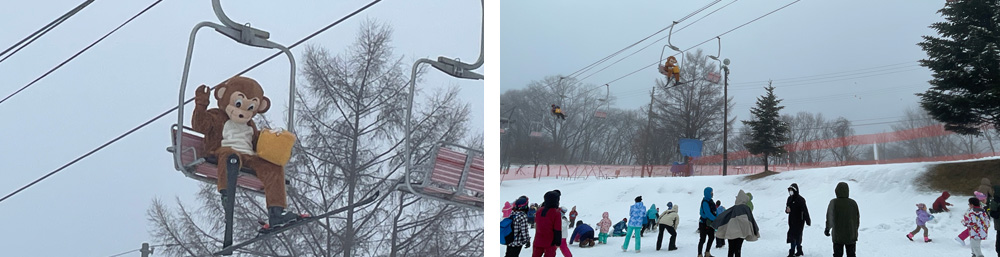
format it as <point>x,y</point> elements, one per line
<point>210,122</point>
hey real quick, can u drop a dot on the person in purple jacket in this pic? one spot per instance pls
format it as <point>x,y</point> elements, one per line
<point>922,218</point>
<point>584,234</point>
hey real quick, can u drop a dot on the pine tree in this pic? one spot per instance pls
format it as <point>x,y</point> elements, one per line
<point>965,61</point>
<point>767,132</point>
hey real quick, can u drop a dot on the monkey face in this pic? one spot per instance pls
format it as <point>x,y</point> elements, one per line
<point>241,109</point>
<point>241,98</point>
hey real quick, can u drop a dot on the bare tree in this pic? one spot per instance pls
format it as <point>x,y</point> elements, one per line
<point>350,134</point>
<point>690,110</point>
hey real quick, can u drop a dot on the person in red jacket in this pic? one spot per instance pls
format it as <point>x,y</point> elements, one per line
<point>572,217</point>
<point>548,227</point>
<point>940,205</point>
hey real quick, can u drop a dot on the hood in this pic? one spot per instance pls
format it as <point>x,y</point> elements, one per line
<point>674,209</point>
<point>842,190</point>
<point>605,215</point>
<point>946,195</point>
<point>551,199</point>
<point>574,208</point>
<point>741,198</point>
<point>708,193</point>
<point>986,182</point>
<point>506,205</point>
<point>795,189</point>
<point>652,207</point>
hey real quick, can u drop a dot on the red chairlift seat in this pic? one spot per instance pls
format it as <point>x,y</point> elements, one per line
<point>454,176</point>
<point>535,134</point>
<point>600,114</point>
<point>200,165</point>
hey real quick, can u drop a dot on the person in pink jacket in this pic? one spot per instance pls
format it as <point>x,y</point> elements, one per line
<point>507,208</point>
<point>605,225</point>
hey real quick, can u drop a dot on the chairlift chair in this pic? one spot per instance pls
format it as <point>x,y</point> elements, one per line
<point>188,151</point>
<point>607,101</point>
<point>662,67</point>
<point>437,179</point>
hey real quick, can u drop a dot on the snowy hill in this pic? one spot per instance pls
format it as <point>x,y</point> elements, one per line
<point>886,196</point>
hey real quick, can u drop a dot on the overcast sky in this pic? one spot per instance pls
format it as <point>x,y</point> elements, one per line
<point>846,38</point>
<point>98,206</point>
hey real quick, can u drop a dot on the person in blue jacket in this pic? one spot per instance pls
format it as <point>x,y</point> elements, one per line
<point>636,214</point>
<point>619,228</point>
<point>583,233</point>
<point>707,216</point>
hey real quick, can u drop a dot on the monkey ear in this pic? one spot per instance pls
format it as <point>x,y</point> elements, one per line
<point>265,104</point>
<point>220,91</point>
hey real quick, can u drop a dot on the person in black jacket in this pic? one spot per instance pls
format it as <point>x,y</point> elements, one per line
<point>798,217</point>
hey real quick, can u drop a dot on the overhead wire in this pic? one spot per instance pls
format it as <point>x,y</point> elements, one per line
<point>80,52</point>
<point>706,41</point>
<point>598,62</point>
<point>155,118</point>
<point>42,31</point>
<point>658,40</point>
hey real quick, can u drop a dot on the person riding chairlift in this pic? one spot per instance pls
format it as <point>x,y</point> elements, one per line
<point>558,112</point>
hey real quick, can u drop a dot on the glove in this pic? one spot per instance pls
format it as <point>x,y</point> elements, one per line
<point>932,218</point>
<point>527,246</point>
<point>201,95</point>
<point>826,232</point>
<point>808,223</point>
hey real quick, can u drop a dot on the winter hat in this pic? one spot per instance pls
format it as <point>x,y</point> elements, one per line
<point>670,205</point>
<point>794,187</point>
<point>980,196</point>
<point>921,206</point>
<point>973,201</point>
<point>638,199</point>
<point>563,210</point>
<point>521,203</point>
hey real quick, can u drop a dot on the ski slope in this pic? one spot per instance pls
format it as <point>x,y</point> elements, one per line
<point>886,196</point>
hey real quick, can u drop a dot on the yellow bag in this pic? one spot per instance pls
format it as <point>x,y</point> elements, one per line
<point>275,146</point>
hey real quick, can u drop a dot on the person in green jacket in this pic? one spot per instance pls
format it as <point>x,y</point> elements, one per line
<point>750,202</point>
<point>651,215</point>
<point>843,218</point>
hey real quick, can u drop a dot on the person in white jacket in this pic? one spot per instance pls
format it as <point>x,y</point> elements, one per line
<point>563,247</point>
<point>668,221</point>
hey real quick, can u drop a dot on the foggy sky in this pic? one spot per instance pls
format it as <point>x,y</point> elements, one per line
<point>98,206</point>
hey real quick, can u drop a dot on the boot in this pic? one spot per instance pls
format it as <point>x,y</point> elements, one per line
<point>960,241</point>
<point>791,252</point>
<point>927,240</point>
<point>278,216</point>
<point>910,236</point>
<point>798,251</point>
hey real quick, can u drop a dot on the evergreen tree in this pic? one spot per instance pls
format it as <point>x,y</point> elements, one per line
<point>965,61</point>
<point>767,132</point>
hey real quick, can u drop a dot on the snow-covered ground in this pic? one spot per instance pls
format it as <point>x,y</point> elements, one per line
<point>886,195</point>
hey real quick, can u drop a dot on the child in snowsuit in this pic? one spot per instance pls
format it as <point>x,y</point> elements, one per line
<point>531,215</point>
<point>620,228</point>
<point>519,228</point>
<point>651,218</point>
<point>719,242</point>
<point>506,209</point>
<point>572,217</point>
<point>965,233</point>
<point>940,205</point>
<point>978,223</point>
<point>922,218</point>
<point>605,226</point>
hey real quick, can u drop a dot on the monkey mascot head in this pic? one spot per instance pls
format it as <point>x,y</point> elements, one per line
<point>241,98</point>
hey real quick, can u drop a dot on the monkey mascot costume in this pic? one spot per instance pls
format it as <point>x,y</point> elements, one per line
<point>230,129</point>
<point>671,69</point>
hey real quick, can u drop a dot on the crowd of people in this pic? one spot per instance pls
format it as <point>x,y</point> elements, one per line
<point>555,228</point>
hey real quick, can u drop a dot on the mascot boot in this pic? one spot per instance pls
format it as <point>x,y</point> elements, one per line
<point>277,216</point>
